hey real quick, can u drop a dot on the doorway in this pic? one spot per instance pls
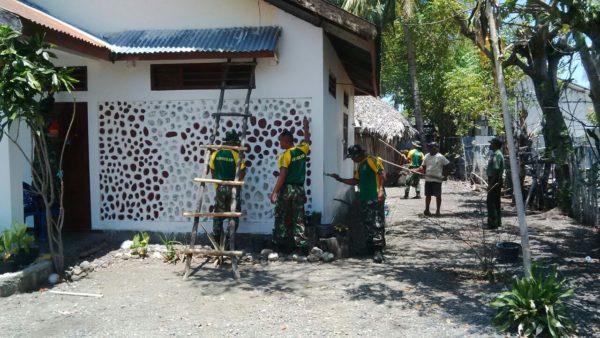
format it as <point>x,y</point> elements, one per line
<point>76,169</point>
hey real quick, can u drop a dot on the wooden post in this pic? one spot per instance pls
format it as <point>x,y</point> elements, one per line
<point>512,153</point>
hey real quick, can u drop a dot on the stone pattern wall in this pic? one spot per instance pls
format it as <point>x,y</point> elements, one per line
<point>149,154</point>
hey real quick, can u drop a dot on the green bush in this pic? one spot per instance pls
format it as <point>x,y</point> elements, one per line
<point>534,306</point>
<point>14,240</point>
<point>140,244</point>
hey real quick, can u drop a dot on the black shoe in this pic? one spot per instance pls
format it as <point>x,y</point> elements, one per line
<point>417,197</point>
<point>378,256</point>
<point>406,196</point>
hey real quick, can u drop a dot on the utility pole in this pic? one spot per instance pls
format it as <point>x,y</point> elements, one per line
<point>510,140</point>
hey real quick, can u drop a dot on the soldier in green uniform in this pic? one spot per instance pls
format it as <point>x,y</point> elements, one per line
<point>494,173</point>
<point>223,166</point>
<point>370,177</point>
<point>415,158</point>
<point>288,194</point>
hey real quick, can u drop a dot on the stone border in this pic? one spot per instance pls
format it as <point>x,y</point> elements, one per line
<point>25,280</point>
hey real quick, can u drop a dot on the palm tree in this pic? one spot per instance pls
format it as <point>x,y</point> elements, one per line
<point>383,13</point>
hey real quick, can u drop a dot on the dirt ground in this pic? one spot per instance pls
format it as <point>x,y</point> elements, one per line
<point>429,287</point>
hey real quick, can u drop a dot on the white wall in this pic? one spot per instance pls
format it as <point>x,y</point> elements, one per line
<point>109,16</point>
<point>333,110</point>
<point>574,103</point>
<point>11,176</point>
<point>299,74</point>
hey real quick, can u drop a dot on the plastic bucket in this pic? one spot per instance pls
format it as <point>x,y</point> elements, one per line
<point>508,252</point>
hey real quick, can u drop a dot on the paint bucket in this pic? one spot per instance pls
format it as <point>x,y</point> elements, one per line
<point>325,230</point>
<point>508,252</point>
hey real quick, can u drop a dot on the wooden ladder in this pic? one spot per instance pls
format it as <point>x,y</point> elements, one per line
<point>219,248</point>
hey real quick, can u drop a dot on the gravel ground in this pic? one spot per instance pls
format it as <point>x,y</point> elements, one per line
<point>429,287</point>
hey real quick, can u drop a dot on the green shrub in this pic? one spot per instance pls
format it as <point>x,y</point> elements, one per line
<point>534,306</point>
<point>14,240</point>
<point>170,255</point>
<point>140,244</point>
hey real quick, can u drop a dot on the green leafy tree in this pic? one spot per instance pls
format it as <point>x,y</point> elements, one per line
<point>535,45</point>
<point>385,14</point>
<point>28,81</point>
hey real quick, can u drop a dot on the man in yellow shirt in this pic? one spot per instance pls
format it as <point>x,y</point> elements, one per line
<point>289,195</point>
<point>370,177</point>
<point>223,165</point>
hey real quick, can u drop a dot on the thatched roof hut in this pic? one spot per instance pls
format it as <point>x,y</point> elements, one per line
<point>374,116</point>
<point>375,119</point>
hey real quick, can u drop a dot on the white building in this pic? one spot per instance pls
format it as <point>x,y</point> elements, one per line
<point>150,71</point>
<point>575,104</point>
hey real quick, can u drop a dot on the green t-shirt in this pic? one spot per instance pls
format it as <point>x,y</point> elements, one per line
<point>495,164</point>
<point>416,158</point>
<point>294,159</point>
<point>367,174</point>
<point>223,163</point>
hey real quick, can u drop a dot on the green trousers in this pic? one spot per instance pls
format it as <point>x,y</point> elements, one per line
<point>288,232</point>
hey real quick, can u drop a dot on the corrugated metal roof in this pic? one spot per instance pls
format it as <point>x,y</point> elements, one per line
<point>235,39</point>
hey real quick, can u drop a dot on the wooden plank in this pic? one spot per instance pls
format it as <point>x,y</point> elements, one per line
<point>211,252</point>
<point>219,182</point>
<point>223,146</point>
<point>213,214</point>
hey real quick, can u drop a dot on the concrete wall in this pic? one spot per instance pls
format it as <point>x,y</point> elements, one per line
<point>333,113</point>
<point>297,76</point>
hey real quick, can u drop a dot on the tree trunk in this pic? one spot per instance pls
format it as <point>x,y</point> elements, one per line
<point>590,59</point>
<point>414,82</point>
<point>556,135</point>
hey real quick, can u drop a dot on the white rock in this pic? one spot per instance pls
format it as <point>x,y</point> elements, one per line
<point>77,271</point>
<point>266,252</point>
<point>126,256</point>
<point>53,278</point>
<point>85,266</point>
<point>300,258</point>
<point>313,258</point>
<point>316,251</point>
<point>118,255</point>
<point>273,256</point>
<point>157,255</point>
<point>328,257</point>
<point>126,245</point>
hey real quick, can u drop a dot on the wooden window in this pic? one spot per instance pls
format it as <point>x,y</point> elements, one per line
<point>346,99</point>
<point>201,76</point>
<point>79,74</point>
<point>345,129</point>
<point>332,85</point>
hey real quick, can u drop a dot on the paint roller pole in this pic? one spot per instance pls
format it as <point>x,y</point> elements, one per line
<point>512,154</point>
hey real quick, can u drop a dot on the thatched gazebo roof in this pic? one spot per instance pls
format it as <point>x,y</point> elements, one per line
<point>375,116</point>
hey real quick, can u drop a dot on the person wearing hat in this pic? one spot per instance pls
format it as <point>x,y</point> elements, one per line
<point>222,165</point>
<point>494,172</point>
<point>433,167</point>
<point>289,195</point>
<point>370,177</point>
<point>415,159</point>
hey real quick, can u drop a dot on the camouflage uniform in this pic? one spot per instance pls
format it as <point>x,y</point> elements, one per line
<point>223,196</point>
<point>373,214</point>
<point>372,211</point>
<point>223,165</point>
<point>289,207</point>
<point>289,217</point>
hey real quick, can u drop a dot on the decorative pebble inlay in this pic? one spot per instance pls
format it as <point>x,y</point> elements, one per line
<point>149,154</point>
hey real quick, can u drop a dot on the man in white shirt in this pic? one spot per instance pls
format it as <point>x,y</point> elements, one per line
<point>433,167</point>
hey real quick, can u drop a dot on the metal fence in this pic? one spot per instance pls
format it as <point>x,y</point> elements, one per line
<point>585,180</point>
